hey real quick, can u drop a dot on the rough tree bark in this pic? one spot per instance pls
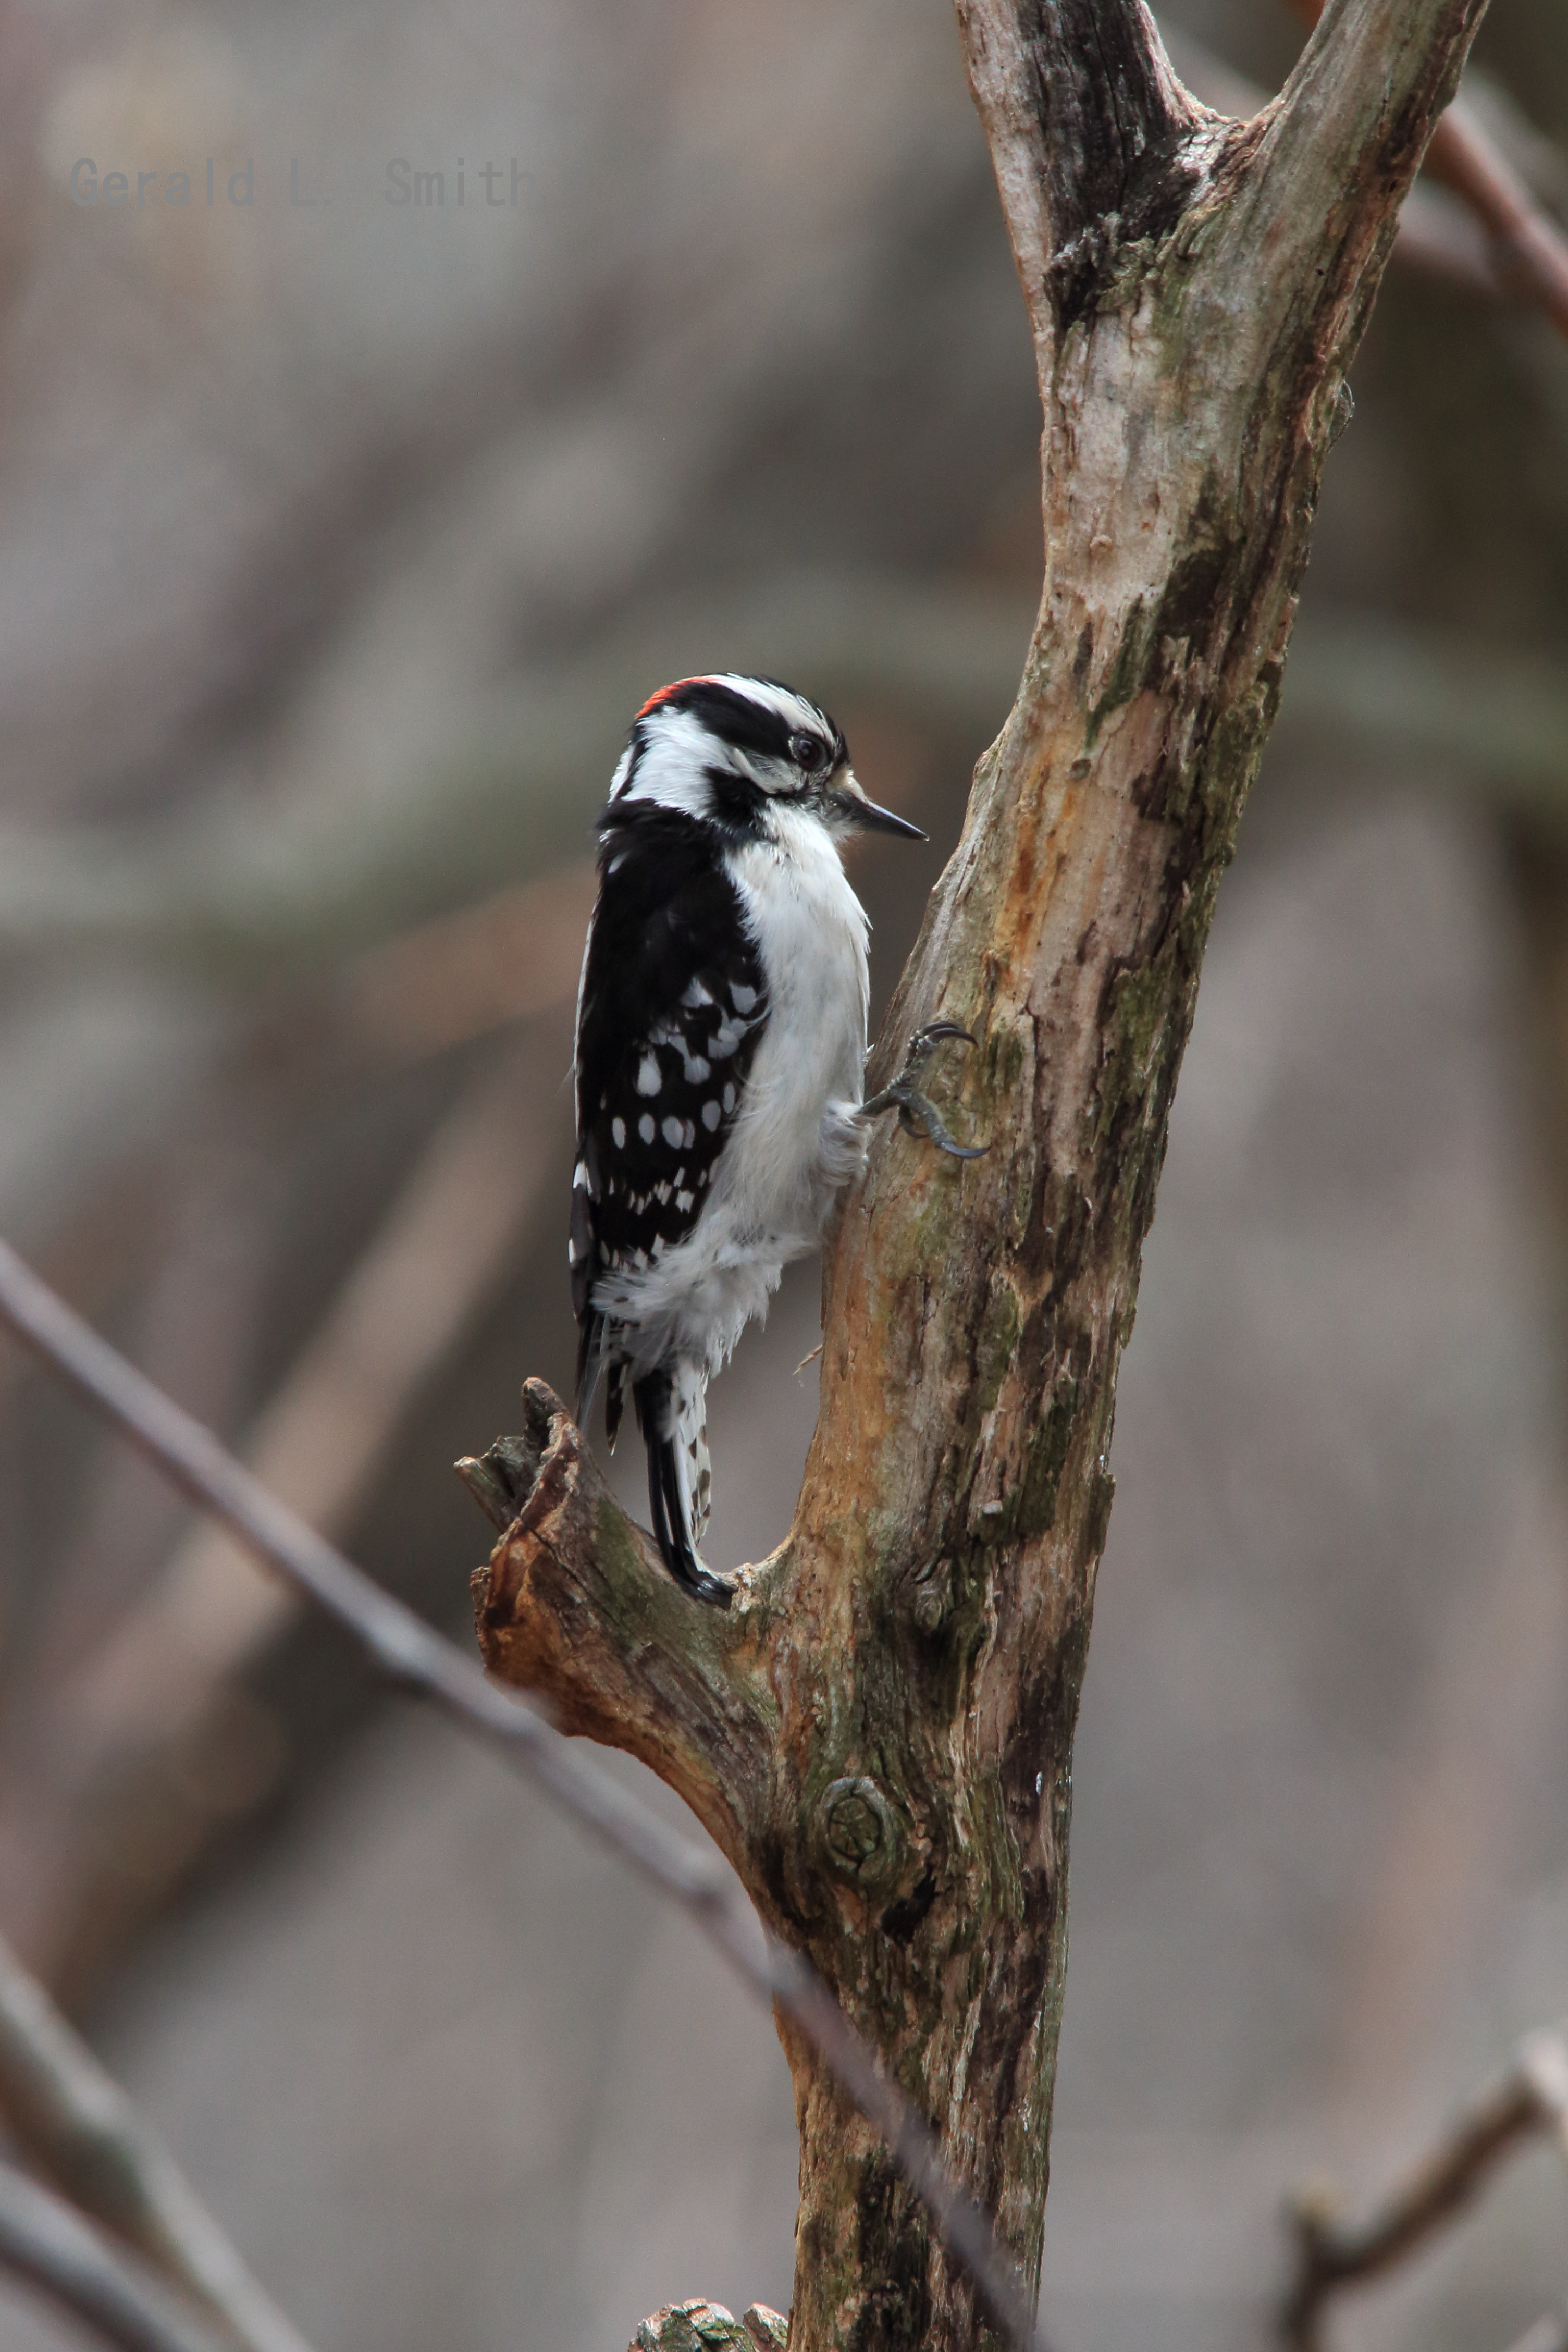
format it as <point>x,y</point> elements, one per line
<point>878,1732</point>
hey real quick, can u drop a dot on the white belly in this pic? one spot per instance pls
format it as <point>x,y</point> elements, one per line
<point>788,1156</point>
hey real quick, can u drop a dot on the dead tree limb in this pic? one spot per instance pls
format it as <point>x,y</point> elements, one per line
<point>880,1732</point>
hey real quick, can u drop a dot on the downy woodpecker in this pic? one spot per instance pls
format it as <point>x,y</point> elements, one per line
<point>721,1044</point>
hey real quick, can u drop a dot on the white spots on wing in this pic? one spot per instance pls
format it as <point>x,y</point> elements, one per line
<point>684,1201</point>
<point>696,995</point>
<point>697,1070</point>
<point>618,861</point>
<point>711,1115</point>
<point>742,998</point>
<point>645,1126</point>
<point>689,1134</point>
<point>729,1098</point>
<point>673,1133</point>
<point>618,1133</point>
<point>648,1074</point>
<point>725,1039</point>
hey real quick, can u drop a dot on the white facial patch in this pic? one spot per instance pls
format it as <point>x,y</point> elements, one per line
<point>677,748</point>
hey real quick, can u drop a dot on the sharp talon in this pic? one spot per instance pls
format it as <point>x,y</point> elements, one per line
<point>917,1115</point>
<point>913,1106</point>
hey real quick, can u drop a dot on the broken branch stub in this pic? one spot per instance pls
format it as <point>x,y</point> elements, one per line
<point>878,1732</point>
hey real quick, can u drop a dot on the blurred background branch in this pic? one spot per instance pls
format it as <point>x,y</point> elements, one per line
<point>45,2241</point>
<point>75,2123</point>
<point>1529,2103</point>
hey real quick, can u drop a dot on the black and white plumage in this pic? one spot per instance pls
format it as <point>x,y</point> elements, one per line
<point>721,1041</point>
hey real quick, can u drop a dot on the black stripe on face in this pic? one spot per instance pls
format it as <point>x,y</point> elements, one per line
<point>735,802</point>
<point>750,727</point>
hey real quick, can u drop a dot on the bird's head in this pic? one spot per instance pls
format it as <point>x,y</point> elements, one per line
<point>746,755</point>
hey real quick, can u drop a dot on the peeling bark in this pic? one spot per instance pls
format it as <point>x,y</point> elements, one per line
<point>879,1734</point>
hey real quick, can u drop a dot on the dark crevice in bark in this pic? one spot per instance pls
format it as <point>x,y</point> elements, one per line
<point>1112,139</point>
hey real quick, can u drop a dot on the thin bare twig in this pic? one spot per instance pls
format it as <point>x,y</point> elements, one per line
<point>43,2241</point>
<point>1531,2100</point>
<point>410,1653</point>
<point>75,2121</point>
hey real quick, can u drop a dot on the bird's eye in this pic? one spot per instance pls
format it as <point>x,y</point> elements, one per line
<point>809,751</point>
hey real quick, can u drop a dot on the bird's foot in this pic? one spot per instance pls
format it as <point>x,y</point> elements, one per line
<point>917,1114</point>
<point>695,1576</point>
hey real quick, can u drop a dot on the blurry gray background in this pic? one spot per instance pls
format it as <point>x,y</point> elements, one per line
<point>338,540</point>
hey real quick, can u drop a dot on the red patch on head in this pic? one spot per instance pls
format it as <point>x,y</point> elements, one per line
<point>666,691</point>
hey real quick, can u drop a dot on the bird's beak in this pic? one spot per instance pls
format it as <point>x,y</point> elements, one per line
<point>855,809</point>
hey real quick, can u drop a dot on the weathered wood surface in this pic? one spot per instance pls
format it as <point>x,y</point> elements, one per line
<point>879,1734</point>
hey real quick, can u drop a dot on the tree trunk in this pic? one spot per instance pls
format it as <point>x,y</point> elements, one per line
<point>879,1733</point>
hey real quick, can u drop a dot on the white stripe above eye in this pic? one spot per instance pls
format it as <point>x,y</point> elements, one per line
<point>795,711</point>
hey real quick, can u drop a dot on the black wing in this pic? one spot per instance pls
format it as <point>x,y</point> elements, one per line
<point>673,1002</point>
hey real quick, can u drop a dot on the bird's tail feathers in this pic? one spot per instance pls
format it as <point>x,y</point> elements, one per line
<point>592,1346</point>
<point>672,1414</point>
